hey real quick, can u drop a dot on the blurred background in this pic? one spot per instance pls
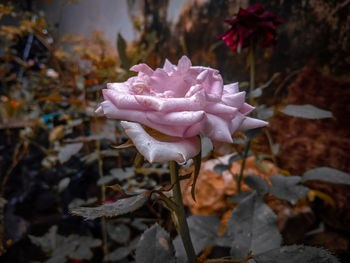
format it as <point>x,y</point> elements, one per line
<point>55,153</point>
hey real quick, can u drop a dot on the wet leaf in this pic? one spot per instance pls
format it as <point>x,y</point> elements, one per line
<point>239,197</point>
<point>206,146</point>
<point>117,254</point>
<point>120,207</point>
<point>264,113</point>
<point>203,231</point>
<point>327,174</point>
<point>252,227</point>
<point>287,188</point>
<point>155,246</point>
<point>257,183</point>
<point>67,151</point>
<point>117,173</point>
<point>307,112</point>
<point>220,168</point>
<point>296,254</point>
<point>119,233</point>
<point>62,248</point>
<point>251,134</point>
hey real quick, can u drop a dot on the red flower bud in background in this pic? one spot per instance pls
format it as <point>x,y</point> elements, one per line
<point>252,25</point>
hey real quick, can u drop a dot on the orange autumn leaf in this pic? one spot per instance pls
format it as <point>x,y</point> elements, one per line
<point>54,97</point>
<point>14,104</point>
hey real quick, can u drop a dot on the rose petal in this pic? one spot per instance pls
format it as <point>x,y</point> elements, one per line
<point>246,108</point>
<point>183,118</point>
<point>193,90</point>
<point>120,87</point>
<point>231,88</point>
<point>216,128</point>
<point>144,68</point>
<point>221,109</point>
<point>251,123</point>
<point>213,85</point>
<point>235,100</point>
<point>194,129</point>
<point>122,100</point>
<point>168,66</point>
<point>113,112</point>
<point>183,65</point>
<point>202,76</point>
<point>194,103</point>
<point>179,150</point>
<point>236,122</point>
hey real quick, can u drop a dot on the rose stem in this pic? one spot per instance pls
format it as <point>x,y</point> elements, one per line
<point>246,150</point>
<point>180,213</point>
<point>103,195</point>
<point>252,70</point>
<point>251,101</point>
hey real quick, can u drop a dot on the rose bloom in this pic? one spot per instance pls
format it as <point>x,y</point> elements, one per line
<point>177,103</point>
<point>253,24</point>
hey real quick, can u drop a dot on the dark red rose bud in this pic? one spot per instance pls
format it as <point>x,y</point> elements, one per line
<point>251,25</point>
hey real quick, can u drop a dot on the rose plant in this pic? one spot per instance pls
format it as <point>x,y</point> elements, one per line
<point>164,111</point>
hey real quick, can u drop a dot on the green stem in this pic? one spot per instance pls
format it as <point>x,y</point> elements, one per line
<point>103,197</point>
<point>246,150</point>
<point>180,213</point>
<point>252,71</point>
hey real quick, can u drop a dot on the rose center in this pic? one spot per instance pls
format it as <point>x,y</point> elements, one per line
<point>141,84</point>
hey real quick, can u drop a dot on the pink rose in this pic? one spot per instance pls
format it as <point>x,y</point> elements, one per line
<point>180,101</point>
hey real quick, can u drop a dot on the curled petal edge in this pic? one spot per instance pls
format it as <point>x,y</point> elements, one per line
<point>179,149</point>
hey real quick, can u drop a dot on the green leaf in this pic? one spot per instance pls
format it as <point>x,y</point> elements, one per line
<point>251,134</point>
<point>296,254</point>
<point>237,198</point>
<point>119,233</point>
<point>117,173</point>
<point>257,183</point>
<point>155,246</point>
<point>259,90</point>
<point>121,46</point>
<point>206,145</point>
<point>61,247</point>
<point>287,188</point>
<point>263,112</point>
<point>235,158</point>
<point>67,151</point>
<point>120,207</point>
<point>220,168</point>
<point>306,111</point>
<point>252,227</point>
<point>117,254</point>
<point>327,174</point>
<point>203,231</point>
